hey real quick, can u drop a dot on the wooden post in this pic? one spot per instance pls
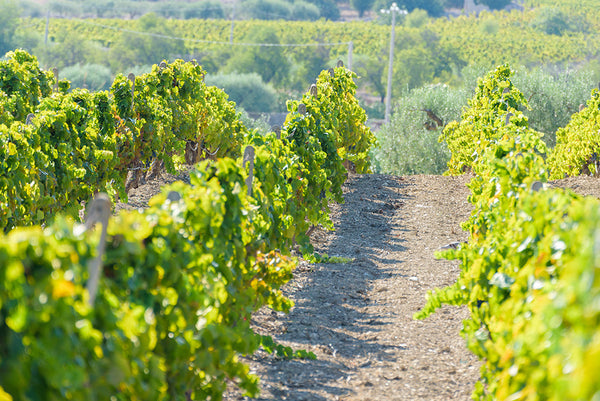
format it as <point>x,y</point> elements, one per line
<point>302,108</point>
<point>29,119</point>
<point>174,196</point>
<point>314,90</point>
<point>249,158</point>
<point>277,130</point>
<point>47,25</point>
<point>98,212</point>
<point>55,72</point>
<point>131,77</point>
<point>350,50</point>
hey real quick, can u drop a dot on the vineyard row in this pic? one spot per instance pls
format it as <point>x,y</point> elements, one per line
<point>530,271</point>
<point>179,281</point>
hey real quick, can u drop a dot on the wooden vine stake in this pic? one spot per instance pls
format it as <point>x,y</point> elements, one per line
<point>314,90</point>
<point>29,119</point>
<point>508,116</point>
<point>98,212</point>
<point>302,108</point>
<point>536,186</point>
<point>277,130</point>
<point>340,63</point>
<point>55,72</point>
<point>131,77</point>
<point>249,158</point>
<point>174,196</point>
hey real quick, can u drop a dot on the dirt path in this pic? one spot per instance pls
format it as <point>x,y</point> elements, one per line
<point>357,317</point>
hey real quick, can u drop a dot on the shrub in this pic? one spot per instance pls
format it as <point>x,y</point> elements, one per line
<point>494,4</point>
<point>94,77</point>
<point>248,91</point>
<point>304,11</point>
<point>417,18</point>
<point>554,21</point>
<point>489,26</point>
<point>409,144</point>
<point>553,96</point>
<point>204,9</point>
<point>269,62</point>
<point>267,9</point>
<point>328,8</point>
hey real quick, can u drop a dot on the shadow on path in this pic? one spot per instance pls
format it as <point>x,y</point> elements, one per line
<point>330,312</point>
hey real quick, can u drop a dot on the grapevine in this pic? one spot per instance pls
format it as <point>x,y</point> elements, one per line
<point>527,270</point>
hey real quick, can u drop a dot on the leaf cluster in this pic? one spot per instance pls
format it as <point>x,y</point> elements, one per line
<point>180,279</point>
<point>180,283</point>
<point>61,147</point>
<point>577,144</point>
<point>496,103</point>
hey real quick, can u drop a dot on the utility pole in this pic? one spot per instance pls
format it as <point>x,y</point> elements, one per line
<point>47,24</point>
<point>350,50</point>
<point>388,96</point>
<point>232,21</point>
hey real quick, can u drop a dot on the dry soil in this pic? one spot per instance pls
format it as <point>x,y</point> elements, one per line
<point>357,316</point>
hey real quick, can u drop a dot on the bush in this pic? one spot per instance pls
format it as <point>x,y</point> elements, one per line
<point>409,144</point>
<point>204,9</point>
<point>489,26</point>
<point>417,18</point>
<point>94,77</point>
<point>248,91</point>
<point>554,21</point>
<point>553,96</point>
<point>328,8</point>
<point>435,8</point>
<point>304,11</point>
<point>138,70</point>
<point>9,14</point>
<point>267,9</point>
<point>269,62</point>
<point>260,124</point>
<point>494,4</point>
<point>30,8</point>
<point>361,6</point>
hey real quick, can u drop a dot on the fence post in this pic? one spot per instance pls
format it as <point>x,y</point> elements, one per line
<point>350,50</point>
<point>55,72</point>
<point>98,212</point>
<point>131,77</point>
<point>302,108</point>
<point>277,130</point>
<point>249,158</point>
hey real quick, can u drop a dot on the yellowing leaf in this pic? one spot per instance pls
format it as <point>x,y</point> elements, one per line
<point>63,288</point>
<point>4,396</point>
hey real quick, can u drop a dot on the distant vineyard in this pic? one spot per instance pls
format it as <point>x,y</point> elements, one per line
<point>515,39</point>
